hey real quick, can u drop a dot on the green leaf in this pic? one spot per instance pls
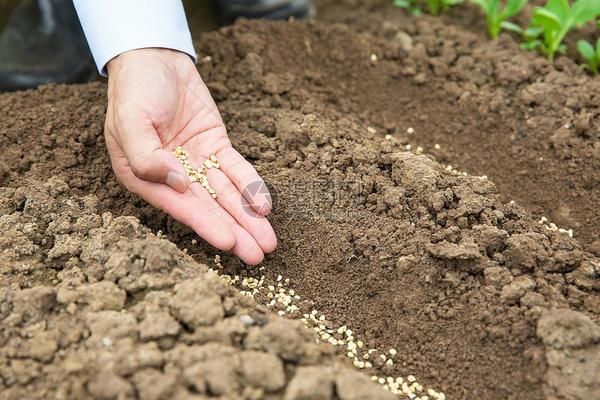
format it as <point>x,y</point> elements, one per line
<point>532,45</point>
<point>513,7</point>
<point>494,8</point>
<point>560,8</point>
<point>598,48</point>
<point>546,19</point>
<point>585,11</point>
<point>585,49</point>
<point>509,26</point>
<point>533,32</point>
<point>402,3</point>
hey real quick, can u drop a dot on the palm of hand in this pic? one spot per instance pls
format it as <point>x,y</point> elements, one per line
<point>158,103</point>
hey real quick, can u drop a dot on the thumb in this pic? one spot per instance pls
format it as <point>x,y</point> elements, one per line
<point>158,165</point>
<point>139,140</point>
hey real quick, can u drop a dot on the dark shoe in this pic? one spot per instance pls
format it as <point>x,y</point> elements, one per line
<point>270,9</point>
<point>42,42</point>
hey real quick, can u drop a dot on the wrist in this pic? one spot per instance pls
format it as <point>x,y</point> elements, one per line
<point>167,56</point>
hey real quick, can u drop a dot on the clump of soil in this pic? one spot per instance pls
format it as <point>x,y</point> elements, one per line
<point>96,306</point>
<point>478,299</point>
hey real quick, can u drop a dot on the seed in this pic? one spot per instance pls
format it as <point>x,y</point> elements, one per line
<point>393,352</point>
<point>410,130</point>
<point>197,175</point>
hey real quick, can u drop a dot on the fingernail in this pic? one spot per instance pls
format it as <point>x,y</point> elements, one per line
<point>176,181</point>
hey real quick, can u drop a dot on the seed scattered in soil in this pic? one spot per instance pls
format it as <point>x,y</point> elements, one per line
<point>553,227</point>
<point>437,146</point>
<point>410,130</point>
<point>371,130</point>
<point>199,174</point>
<point>374,58</point>
<point>284,301</point>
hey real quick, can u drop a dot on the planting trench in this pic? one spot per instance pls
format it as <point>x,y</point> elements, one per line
<point>477,298</point>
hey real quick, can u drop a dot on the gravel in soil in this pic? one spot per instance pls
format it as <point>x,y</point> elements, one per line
<point>478,299</point>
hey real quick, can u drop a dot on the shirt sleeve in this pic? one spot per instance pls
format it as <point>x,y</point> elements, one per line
<point>113,27</point>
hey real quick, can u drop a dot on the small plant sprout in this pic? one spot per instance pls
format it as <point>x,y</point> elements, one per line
<point>434,7</point>
<point>411,5</point>
<point>437,7</point>
<point>551,23</point>
<point>497,16</point>
<point>590,54</point>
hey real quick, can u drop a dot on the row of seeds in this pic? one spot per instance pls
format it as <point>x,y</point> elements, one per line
<point>287,303</point>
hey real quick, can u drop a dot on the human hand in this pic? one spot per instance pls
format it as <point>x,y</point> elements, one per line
<point>156,102</point>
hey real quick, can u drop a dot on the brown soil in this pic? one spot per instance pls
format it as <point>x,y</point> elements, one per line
<point>479,299</point>
<point>494,109</point>
<point>96,306</point>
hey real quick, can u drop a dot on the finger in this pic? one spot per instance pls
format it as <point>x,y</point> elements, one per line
<point>187,209</point>
<point>246,247</point>
<point>246,179</point>
<point>230,198</point>
<point>234,203</point>
<point>159,166</point>
<point>144,152</point>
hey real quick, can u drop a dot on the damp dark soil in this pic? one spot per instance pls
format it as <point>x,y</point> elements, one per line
<point>478,298</point>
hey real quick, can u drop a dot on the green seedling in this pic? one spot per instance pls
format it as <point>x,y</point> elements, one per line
<point>437,7</point>
<point>551,23</point>
<point>434,7</point>
<point>411,5</point>
<point>590,54</point>
<point>497,16</point>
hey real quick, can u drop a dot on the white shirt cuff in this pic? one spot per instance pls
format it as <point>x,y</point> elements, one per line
<point>113,27</point>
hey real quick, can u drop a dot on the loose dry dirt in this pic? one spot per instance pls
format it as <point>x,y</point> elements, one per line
<point>479,299</point>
